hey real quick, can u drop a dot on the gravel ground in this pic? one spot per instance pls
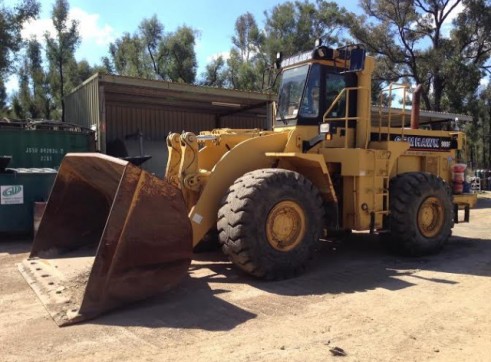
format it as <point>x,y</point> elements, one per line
<point>355,303</point>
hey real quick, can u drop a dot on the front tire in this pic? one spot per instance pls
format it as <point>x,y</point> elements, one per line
<point>270,223</point>
<point>421,217</point>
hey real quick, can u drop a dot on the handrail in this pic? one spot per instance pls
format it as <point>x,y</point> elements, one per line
<point>392,87</point>
<point>346,117</point>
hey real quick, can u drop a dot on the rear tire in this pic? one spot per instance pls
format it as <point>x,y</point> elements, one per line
<point>270,223</point>
<point>421,214</point>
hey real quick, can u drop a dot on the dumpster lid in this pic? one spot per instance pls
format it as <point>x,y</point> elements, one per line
<point>43,124</point>
<point>31,170</point>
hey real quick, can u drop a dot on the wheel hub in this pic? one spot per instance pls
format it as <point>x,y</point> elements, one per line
<point>285,225</point>
<point>431,217</point>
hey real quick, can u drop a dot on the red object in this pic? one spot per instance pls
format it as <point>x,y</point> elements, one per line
<point>458,177</point>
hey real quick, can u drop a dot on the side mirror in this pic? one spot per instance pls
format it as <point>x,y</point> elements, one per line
<point>357,59</point>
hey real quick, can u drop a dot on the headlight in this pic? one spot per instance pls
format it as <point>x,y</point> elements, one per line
<point>324,128</point>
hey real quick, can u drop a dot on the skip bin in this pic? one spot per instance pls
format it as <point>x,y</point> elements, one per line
<point>20,188</point>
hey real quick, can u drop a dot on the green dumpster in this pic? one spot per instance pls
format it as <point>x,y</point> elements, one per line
<point>42,144</point>
<point>33,150</point>
<point>20,189</point>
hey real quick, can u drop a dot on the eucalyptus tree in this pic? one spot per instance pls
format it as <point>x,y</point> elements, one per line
<point>60,48</point>
<point>292,27</point>
<point>151,53</point>
<point>417,40</point>
<point>214,74</point>
<point>178,49</point>
<point>151,32</point>
<point>128,57</point>
<point>245,65</point>
<point>11,22</point>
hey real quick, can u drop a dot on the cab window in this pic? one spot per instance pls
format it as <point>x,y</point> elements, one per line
<point>335,83</point>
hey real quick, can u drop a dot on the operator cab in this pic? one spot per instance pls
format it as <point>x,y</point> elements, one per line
<point>311,83</point>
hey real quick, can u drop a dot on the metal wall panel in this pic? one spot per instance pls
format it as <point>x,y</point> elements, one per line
<point>82,106</point>
<point>154,122</point>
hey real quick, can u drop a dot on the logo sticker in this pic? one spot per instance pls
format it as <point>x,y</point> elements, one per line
<point>12,195</point>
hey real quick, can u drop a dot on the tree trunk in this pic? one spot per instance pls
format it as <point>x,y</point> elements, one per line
<point>62,86</point>
<point>426,99</point>
<point>437,92</point>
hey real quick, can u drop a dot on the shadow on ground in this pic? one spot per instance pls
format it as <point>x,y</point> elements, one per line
<point>15,244</point>
<point>356,264</point>
<point>192,305</point>
<point>483,201</point>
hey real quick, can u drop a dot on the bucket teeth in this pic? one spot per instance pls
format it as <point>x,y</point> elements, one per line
<point>111,234</point>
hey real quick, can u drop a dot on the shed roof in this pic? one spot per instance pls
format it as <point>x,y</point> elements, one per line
<point>223,102</point>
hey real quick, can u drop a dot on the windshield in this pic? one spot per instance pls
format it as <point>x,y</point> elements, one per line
<point>290,94</point>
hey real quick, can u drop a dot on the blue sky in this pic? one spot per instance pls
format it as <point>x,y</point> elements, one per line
<point>102,21</point>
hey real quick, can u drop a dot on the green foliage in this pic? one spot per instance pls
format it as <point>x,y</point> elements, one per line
<point>41,92</point>
<point>479,130</point>
<point>410,39</point>
<point>247,39</point>
<point>24,93</point>
<point>179,48</point>
<point>11,21</point>
<point>245,63</point>
<point>292,27</point>
<point>214,75</point>
<point>3,99</point>
<point>129,58</point>
<point>152,35</point>
<point>41,89</point>
<point>153,54</point>
<point>471,38</point>
<point>60,50</point>
<point>33,99</point>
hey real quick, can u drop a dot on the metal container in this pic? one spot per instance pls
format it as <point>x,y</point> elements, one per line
<point>42,144</point>
<point>20,189</point>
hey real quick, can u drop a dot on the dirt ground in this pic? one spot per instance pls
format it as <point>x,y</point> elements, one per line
<point>355,296</point>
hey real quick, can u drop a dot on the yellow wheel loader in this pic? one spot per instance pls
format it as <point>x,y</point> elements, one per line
<point>112,233</point>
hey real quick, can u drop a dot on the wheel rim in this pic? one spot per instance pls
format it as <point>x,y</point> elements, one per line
<point>431,217</point>
<point>285,226</point>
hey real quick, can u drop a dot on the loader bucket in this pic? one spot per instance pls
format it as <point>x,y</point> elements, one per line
<point>111,234</point>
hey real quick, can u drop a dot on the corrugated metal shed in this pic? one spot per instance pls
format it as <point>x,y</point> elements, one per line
<point>120,108</point>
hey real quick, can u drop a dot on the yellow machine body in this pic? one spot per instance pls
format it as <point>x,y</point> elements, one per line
<point>366,157</point>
